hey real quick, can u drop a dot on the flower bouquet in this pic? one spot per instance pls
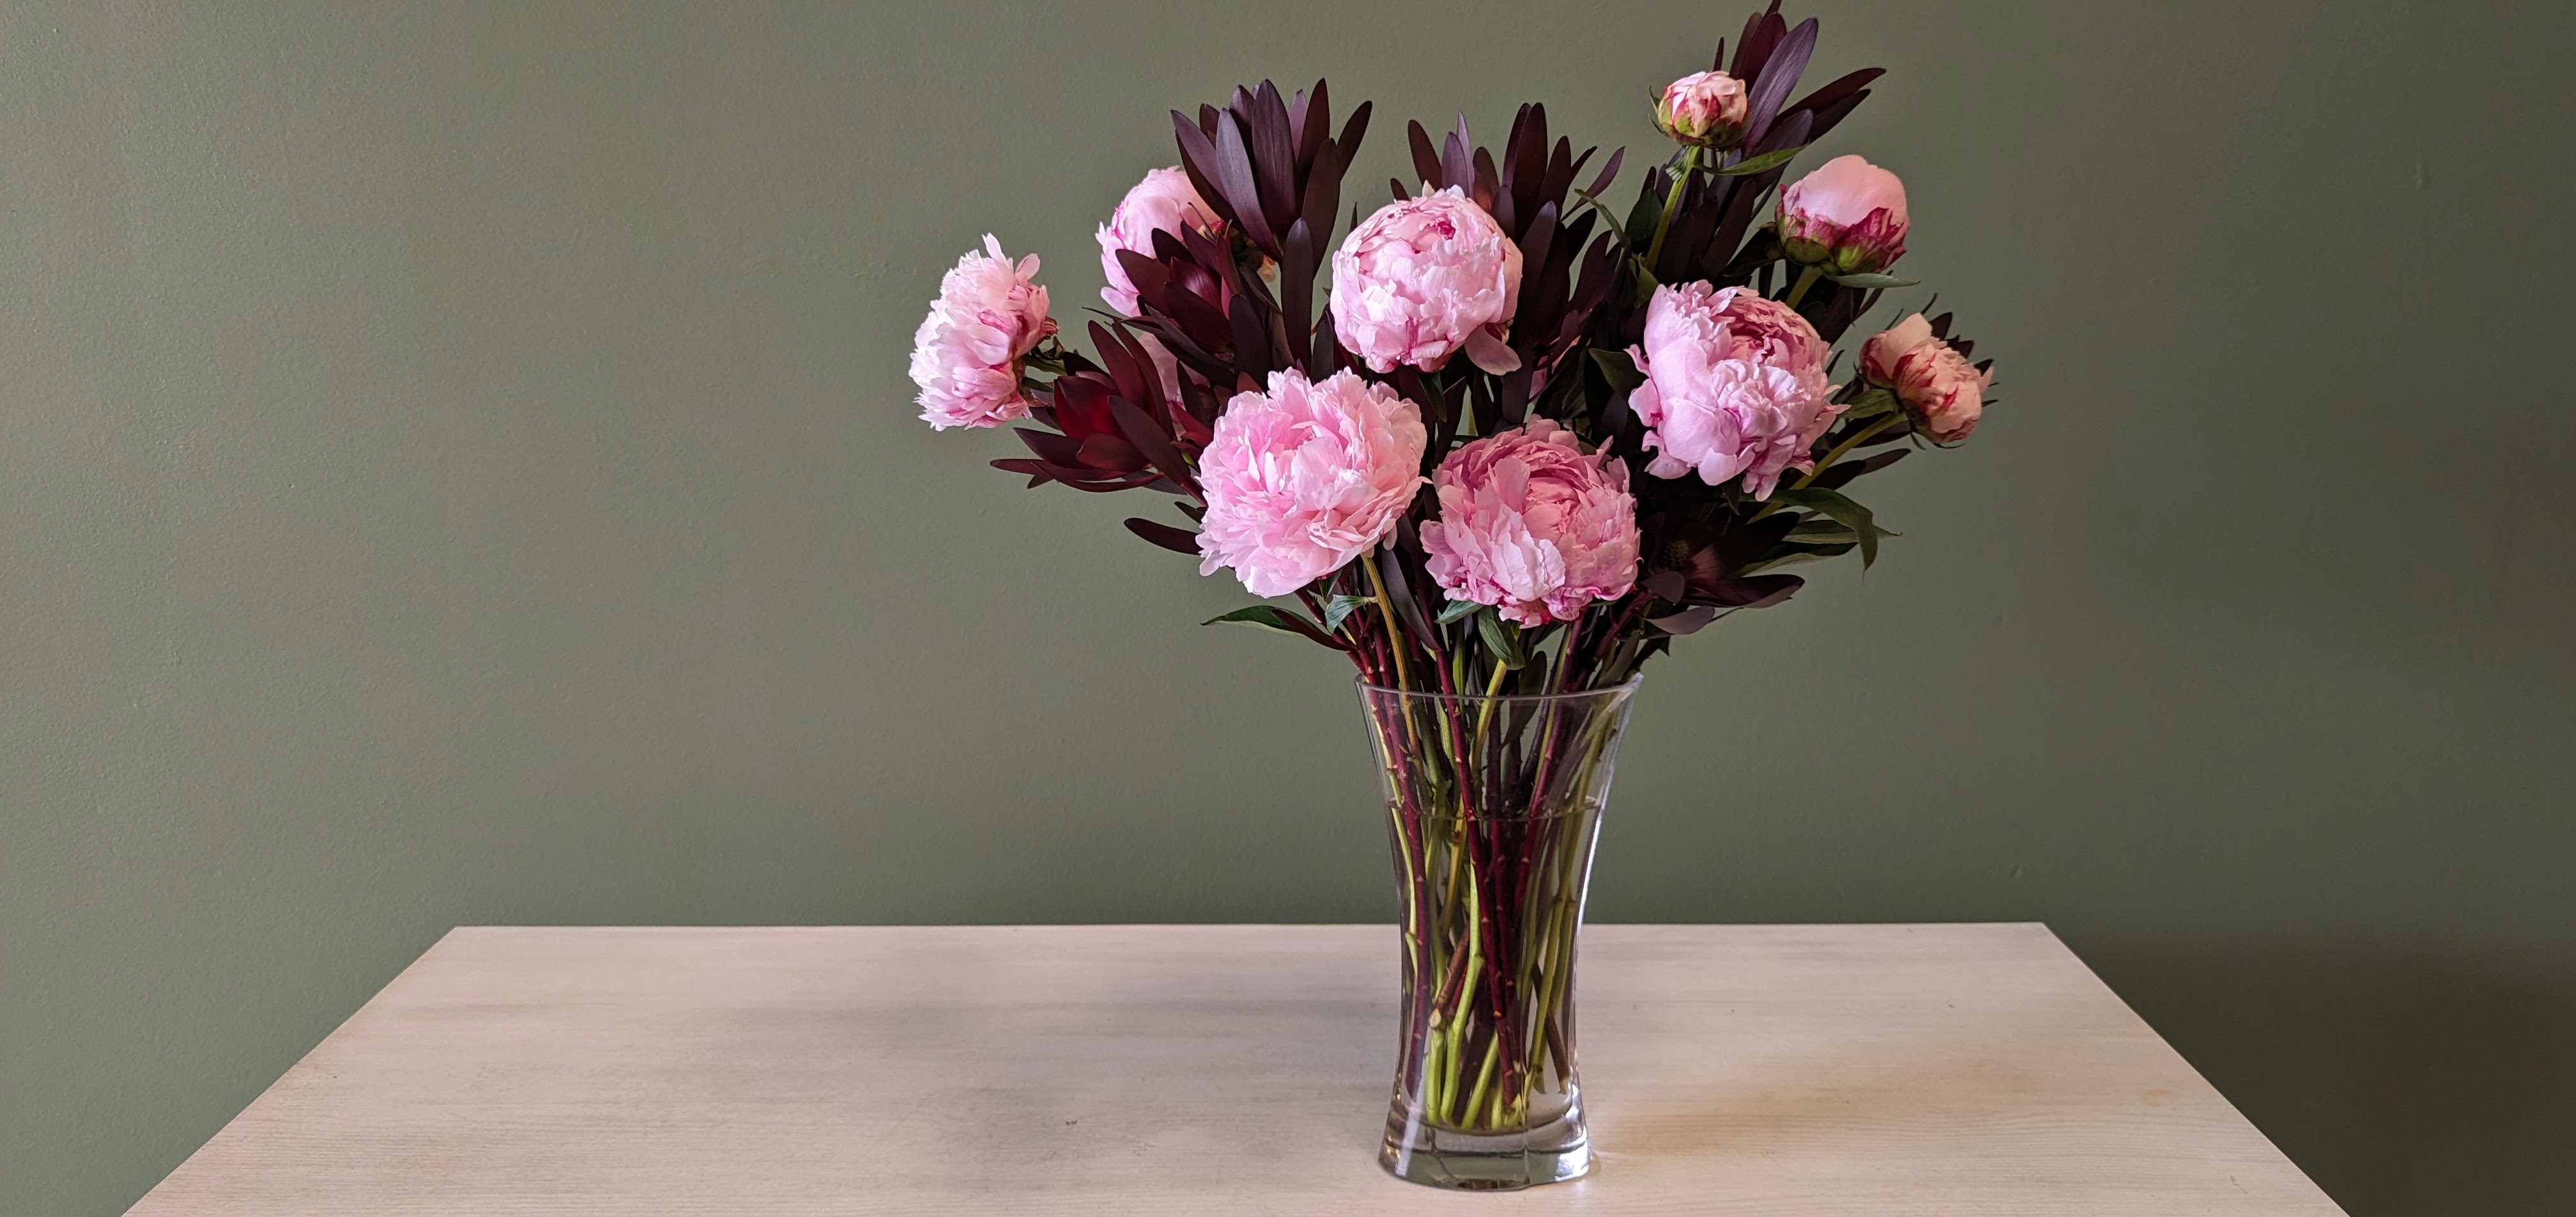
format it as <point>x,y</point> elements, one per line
<point>1524,443</point>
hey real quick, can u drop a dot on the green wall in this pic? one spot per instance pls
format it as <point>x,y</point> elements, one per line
<point>456,466</point>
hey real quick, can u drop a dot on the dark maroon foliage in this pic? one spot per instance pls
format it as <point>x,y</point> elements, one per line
<point>1232,307</point>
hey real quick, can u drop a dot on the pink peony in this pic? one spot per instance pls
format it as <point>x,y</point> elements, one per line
<point>1164,202</point>
<point>1707,109</point>
<point>1943,392</point>
<point>1735,384</point>
<point>1422,279</point>
<point>966,355</point>
<point>1848,217</point>
<point>1878,356</point>
<point>1305,477</point>
<point>1532,526</point>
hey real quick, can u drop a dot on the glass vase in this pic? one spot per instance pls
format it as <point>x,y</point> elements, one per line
<point>1492,807</point>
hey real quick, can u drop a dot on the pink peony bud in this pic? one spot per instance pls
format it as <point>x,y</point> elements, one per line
<point>1735,384</point>
<point>1941,390</point>
<point>1164,202</point>
<point>1305,477</point>
<point>1878,356</point>
<point>1706,109</point>
<point>966,355</point>
<point>1848,217</point>
<point>1422,279</point>
<point>1532,526</point>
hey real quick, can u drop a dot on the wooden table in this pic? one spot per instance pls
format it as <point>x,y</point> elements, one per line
<point>1197,1071</point>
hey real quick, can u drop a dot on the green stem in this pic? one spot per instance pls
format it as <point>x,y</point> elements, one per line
<point>1485,713</point>
<point>1394,633</point>
<point>1484,1078</point>
<point>1845,447</point>
<point>1806,279</point>
<point>1830,457</point>
<point>1672,203</point>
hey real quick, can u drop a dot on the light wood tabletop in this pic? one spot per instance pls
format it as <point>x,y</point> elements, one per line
<point>1199,1070</point>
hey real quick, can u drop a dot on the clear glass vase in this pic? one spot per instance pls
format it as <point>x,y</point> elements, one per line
<point>1492,807</point>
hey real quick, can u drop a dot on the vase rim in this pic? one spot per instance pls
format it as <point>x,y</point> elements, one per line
<point>1622,689</point>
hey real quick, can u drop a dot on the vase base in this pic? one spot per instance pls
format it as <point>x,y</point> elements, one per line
<point>1553,1152</point>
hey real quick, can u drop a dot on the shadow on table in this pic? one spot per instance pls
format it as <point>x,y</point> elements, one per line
<point>2405,1086</point>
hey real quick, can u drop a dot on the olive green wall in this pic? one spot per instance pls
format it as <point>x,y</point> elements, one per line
<point>456,466</point>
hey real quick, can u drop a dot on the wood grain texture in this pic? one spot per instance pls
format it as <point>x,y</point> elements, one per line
<point>1190,1070</point>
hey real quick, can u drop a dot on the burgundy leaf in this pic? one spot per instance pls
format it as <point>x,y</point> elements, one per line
<point>1313,123</point>
<point>1609,170</point>
<point>1177,540</point>
<point>1234,177</point>
<point>1455,168</point>
<point>1752,591</point>
<point>1837,89</point>
<point>1048,445</point>
<point>1426,160</point>
<point>1121,362</point>
<point>1323,195</point>
<point>1274,157</point>
<point>1779,75</point>
<point>1352,130</point>
<point>1251,339</point>
<point>1755,45</point>
<point>1198,160</point>
<point>1156,446</point>
<point>1297,288</point>
<point>1101,450</point>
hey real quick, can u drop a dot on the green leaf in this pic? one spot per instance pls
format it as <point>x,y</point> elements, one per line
<point>1834,504</point>
<point>1263,616</point>
<point>1610,220</point>
<point>1338,609</point>
<point>1867,281</point>
<point>1619,369</point>
<point>1821,530</point>
<point>1504,639</point>
<point>1760,164</point>
<point>1456,609</point>
<point>1792,559</point>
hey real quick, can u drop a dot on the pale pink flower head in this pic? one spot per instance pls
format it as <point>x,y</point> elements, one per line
<point>1879,355</point>
<point>1532,526</point>
<point>966,355</point>
<point>1705,109</point>
<point>1164,202</point>
<point>1306,476</point>
<point>1735,384</point>
<point>1421,280</point>
<point>1848,217</point>
<point>1940,389</point>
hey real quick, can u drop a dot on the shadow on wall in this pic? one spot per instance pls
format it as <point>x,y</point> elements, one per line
<point>2406,1086</point>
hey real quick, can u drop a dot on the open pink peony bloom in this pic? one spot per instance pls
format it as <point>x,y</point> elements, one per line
<point>1164,202</point>
<point>966,355</point>
<point>1848,217</point>
<point>1704,108</point>
<point>1943,392</point>
<point>1423,279</point>
<point>1735,384</point>
<point>1532,526</point>
<point>1305,477</point>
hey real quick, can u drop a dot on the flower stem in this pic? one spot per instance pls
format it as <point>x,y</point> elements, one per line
<point>1672,203</point>
<point>1394,634</point>
<point>1845,447</point>
<point>1806,279</point>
